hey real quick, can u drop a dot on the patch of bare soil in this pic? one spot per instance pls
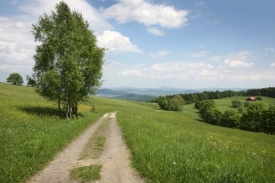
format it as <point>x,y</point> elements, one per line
<point>114,159</point>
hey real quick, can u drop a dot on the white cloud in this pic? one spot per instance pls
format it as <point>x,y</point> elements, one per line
<point>131,72</point>
<point>155,31</point>
<point>181,70</point>
<point>159,54</point>
<point>96,22</point>
<point>273,64</point>
<point>237,63</point>
<point>200,54</point>
<point>269,49</point>
<point>215,58</point>
<point>238,59</point>
<point>17,45</point>
<point>199,4</point>
<point>114,41</point>
<point>146,13</point>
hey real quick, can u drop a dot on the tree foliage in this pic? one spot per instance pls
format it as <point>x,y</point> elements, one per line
<point>230,119</point>
<point>30,81</point>
<point>68,63</point>
<point>15,79</point>
<point>172,104</point>
<point>236,103</point>
<point>256,117</point>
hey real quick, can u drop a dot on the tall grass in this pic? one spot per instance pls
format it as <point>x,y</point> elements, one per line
<point>31,133</point>
<point>176,147</point>
<point>166,146</point>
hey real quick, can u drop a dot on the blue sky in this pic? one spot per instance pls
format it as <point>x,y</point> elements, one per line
<point>157,43</point>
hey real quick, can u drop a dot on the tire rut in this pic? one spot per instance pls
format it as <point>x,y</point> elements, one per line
<point>114,158</point>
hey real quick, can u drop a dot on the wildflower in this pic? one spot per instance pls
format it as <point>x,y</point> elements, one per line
<point>174,163</point>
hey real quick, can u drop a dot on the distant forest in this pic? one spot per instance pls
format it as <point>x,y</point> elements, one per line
<point>168,102</point>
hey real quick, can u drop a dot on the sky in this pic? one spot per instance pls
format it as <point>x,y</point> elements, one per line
<point>158,43</point>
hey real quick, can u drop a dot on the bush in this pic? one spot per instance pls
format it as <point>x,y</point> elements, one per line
<point>230,119</point>
<point>174,105</point>
<point>246,104</point>
<point>212,116</point>
<point>252,117</point>
<point>269,120</point>
<point>236,103</point>
<point>259,98</point>
<point>206,104</point>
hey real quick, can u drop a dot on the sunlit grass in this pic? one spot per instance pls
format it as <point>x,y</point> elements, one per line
<point>166,146</point>
<point>176,147</point>
<point>31,132</point>
<point>86,173</point>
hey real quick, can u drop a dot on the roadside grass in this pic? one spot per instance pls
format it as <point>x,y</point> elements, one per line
<point>165,146</point>
<point>31,133</point>
<point>176,147</point>
<point>86,173</point>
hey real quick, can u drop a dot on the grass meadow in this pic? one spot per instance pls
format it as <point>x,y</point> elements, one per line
<point>178,147</point>
<point>165,146</point>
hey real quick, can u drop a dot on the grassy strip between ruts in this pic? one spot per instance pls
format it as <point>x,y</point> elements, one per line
<point>96,144</point>
<point>86,173</point>
<point>93,150</point>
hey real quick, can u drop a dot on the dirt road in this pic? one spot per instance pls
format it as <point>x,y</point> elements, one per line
<point>114,159</point>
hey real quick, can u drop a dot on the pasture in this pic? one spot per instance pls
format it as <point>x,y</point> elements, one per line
<point>166,146</point>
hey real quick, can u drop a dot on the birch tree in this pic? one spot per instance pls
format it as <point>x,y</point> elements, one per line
<point>68,62</point>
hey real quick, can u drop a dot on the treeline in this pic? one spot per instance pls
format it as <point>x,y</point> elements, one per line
<point>190,98</point>
<point>254,116</point>
<point>268,92</point>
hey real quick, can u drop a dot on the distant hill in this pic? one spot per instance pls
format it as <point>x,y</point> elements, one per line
<point>145,94</point>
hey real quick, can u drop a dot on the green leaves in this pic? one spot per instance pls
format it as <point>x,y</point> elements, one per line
<point>15,79</point>
<point>68,63</point>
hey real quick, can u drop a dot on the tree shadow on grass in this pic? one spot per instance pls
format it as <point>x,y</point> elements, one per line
<point>40,111</point>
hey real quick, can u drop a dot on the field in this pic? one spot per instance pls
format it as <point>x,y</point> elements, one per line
<point>165,146</point>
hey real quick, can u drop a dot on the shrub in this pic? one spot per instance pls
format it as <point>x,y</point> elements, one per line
<point>269,120</point>
<point>259,98</point>
<point>236,103</point>
<point>246,104</point>
<point>252,117</point>
<point>230,119</point>
<point>212,116</point>
<point>174,105</point>
<point>206,105</point>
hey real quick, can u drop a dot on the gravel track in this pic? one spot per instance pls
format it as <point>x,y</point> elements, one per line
<point>114,159</point>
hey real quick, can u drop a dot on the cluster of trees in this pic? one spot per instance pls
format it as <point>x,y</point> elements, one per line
<point>16,79</point>
<point>268,92</point>
<point>68,63</point>
<point>196,97</point>
<point>210,95</point>
<point>174,103</point>
<point>256,117</point>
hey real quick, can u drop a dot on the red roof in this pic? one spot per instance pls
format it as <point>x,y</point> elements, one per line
<point>251,98</point>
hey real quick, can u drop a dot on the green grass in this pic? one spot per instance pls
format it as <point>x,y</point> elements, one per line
<point>86,173</point>
<point>96,143</point>
<point>165,146</point>
<point>176,147</point>
<point>31,133</point>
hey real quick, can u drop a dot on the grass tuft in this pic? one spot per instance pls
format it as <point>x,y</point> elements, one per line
<point>86,173</point>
